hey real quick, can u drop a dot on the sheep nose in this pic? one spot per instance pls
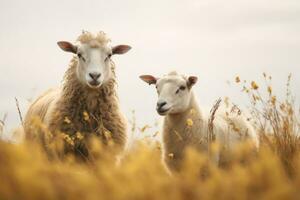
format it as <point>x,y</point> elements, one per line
<point>160,104</point>
<point>94,76</point>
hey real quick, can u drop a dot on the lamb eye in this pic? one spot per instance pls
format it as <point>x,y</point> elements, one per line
<point>108,57</point>
<point>180,88</point>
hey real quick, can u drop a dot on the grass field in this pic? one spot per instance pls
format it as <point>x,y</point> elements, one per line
<point>272,173</point>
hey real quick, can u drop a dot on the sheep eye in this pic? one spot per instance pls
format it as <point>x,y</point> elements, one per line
<point>108,57</point>
<point>180,88</point>
<point>80,57</point>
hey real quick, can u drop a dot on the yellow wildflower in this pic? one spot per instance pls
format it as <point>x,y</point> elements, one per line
<point>254,85</point>
<point>273,100</point>
<point>171,155</point>
<point>68,139</point>
<point>107,134</point>
<point>158,145</point>
<point>237,79</point>
<point>67,120</point>
<point>189,122</point>
<point>86,116</point>
<point>270,90</point>
<point>144,128</point>
<point>79,136</point>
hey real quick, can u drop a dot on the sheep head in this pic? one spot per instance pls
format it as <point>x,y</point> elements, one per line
<point>174,92</point>
<point>94,54</point>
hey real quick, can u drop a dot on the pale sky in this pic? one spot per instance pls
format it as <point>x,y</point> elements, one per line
<point>213,39</point>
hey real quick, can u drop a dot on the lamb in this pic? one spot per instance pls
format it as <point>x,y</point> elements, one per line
<point>87,104</point>
<point>185,125</point>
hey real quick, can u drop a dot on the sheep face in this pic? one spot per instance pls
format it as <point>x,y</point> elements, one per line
<point>174,92</point>
<point>94,66</point>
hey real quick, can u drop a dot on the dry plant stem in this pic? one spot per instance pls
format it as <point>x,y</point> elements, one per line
<point>2,124</point>
<point>210,134</point>
<point>19,111</point>
<point>277,122</point>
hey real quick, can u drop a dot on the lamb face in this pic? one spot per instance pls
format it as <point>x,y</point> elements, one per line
<point>94,66</point>
<point>174,92</point>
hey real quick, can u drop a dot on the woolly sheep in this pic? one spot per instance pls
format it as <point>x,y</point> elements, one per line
<point>87,104</point>
<point>186,125</point>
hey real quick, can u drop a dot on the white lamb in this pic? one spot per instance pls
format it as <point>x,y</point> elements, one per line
<point>186,125</point>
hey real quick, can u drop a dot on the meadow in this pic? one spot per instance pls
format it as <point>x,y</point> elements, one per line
<point>271,173</point>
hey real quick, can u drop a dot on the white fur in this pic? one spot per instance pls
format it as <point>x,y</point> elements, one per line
<point>94,61</point>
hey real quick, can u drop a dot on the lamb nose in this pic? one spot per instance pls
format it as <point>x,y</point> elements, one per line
<point>94,76</point>
<point>161,104</point>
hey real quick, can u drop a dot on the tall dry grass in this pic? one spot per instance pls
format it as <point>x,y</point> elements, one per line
<point>272,173</point>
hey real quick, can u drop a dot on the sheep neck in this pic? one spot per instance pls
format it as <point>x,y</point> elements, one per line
<point>86,108</point>
<point>190,112</point>
<point>177,133</point>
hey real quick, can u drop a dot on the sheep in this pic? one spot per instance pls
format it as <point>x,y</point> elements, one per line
<point>87,104</point>
<point>185,124</point>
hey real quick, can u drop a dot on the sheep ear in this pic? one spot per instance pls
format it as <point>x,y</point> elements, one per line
<point>148,79</point>
<point>67,46</point>
<point>192,80</point>
<point>120,49</point>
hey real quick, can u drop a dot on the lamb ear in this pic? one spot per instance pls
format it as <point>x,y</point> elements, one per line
<point>67,46</point>
<point>120,49</point>
<point>192,80</point>
<point>148,79</point>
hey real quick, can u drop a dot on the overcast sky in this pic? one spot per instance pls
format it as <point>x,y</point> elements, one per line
<point>213,39</point>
